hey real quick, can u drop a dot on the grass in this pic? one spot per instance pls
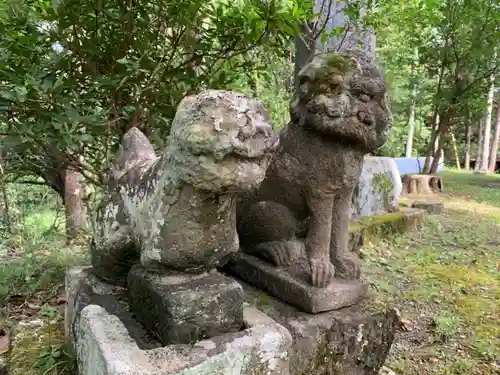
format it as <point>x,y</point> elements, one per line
<point>33,261</point>
<point>445,280</point>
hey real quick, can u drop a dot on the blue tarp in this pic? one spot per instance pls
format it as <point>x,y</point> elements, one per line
<point>413,165</point>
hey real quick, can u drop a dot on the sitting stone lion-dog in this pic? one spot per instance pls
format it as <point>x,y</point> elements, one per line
<point>178,211</point>
<point>341,113</point>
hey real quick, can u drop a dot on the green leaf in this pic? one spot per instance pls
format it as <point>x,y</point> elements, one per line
<point>55,5</point>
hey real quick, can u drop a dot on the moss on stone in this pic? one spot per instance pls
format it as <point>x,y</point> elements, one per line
<point>330,65</point>
<point>389,223</point>
<point>337,61</point>
<point>38,348</point>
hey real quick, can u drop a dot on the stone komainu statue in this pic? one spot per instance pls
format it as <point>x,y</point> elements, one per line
<point>178,211</point>
<point>340,114</point>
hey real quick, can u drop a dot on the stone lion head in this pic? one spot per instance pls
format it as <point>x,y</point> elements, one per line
<point>344,95</point>
<point>221,141</point>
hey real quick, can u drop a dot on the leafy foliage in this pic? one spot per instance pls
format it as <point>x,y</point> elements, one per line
<point>452,66</point>
<point>122,64</point>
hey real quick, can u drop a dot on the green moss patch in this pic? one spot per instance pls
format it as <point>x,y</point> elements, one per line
<point>390,223</point>
<point>37,348</point>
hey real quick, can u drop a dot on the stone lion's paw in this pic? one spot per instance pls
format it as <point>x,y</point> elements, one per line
<point>322,272</point>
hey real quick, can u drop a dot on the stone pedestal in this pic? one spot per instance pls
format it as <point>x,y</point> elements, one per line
<point>292,284</point>
<point>107,340</point>
<point>350,341</point>
<point>432,207</point>
<point>182,308</point>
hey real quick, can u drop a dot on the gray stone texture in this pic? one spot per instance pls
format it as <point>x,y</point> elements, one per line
<point>177,211</point>
<point>340,114</point>
<point>183,309</point>
<point>83,288</point>
<point>349,341</point>
<point>108,341</point>
<point>379,188</point>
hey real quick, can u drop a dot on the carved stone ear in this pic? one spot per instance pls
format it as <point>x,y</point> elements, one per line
<point>135,148</point>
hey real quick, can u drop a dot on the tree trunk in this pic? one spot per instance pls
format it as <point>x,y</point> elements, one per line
<point>494,143</point>
<point>437,155</point>
<point>436,141</point>
<point>331,17</point>
<point>487,126</point>
<point>411,130</point>
<point>6,208</point>
<point>435,121</point>
<point>5,196</point>
<point>468,136</point>
<point>433,142</point>
<point>455,150</point>
<point>480,137</point>
<point>444,125</point>
<point>411,112</point>
<point>74,205</point>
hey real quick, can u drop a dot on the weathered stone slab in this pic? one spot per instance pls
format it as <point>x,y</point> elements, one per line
<point>104,347</point>
<point>108,341</point>
<point>379,188</point>
<point>349,341</point>
<point>291,284</point>
<point>182,308</point>
<point>83,288</point>
<point>432,207</point>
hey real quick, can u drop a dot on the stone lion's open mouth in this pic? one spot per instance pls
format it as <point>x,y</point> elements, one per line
<point>256,148</point>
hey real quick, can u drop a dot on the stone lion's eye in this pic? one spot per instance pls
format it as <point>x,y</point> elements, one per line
<point>365,98</point>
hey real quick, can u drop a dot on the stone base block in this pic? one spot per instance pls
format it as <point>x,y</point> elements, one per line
<point>108,341</point>
<point>182,308</point>
<point>407,219</point>
<point>349,341</point>
<point>292,284</point>
<point>432,207</point>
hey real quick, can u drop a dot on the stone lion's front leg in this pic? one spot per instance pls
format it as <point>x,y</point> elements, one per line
<point>347,264</point>
<point>112,250</point>
<point>318,241</point>
<point>267,229</point>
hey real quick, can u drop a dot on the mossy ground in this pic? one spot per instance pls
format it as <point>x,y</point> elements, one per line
<point>445,280</point>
